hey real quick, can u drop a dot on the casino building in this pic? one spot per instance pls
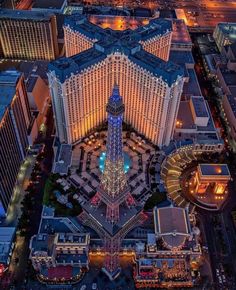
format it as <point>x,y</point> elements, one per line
<point>171,255</point>
<point>136,60</point>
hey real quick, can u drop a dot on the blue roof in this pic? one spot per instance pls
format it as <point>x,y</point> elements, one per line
<point>80,23</point>
<point>228,28</point>
<point>27,15</point>
<point>214,169</point>
<point>199,105</point>
<point>182,57</point>
<point>108,41</point>
<point>8,82</point>
<point>158,26</point>
<point>66,66</point>
<point>160,68</point>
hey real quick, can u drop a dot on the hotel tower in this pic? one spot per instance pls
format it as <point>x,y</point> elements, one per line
<point>15,119</point>
<point>137,60</point>
<point>28,35</point>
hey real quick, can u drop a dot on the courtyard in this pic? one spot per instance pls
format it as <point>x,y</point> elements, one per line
<point>88,161</point>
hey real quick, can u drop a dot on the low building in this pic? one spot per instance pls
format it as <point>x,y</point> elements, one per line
<point>172,226</point>
<point>59,249</point>
<point>194,121</point>
<point>181,39</point>
<point>224,34</point>
<point>229,105</point>
<point>39,98</point>
<point>210,177</point>
<point>59,252</point>
<point>62,157</point>
<point>7,235</point>
<point>169,256</point>
<point>227,79</point>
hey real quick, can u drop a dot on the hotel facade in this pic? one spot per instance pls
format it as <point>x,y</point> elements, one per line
<point>14,122</point>
<point>137,61</point>
<point>28,35</point>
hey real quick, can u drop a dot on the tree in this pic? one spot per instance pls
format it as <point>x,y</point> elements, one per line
<point>156,198</point>
<point>152,170</point>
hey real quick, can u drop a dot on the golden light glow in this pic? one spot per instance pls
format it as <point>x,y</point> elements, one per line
<point>219,188</point>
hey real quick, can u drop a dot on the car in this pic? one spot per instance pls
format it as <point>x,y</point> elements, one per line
<point>94,286</point>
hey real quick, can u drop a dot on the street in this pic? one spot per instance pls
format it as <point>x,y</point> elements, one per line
<point>19,267</point>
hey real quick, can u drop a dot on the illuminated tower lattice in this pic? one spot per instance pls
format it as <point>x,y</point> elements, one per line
<point>113,211</point>
<point>113,189</point>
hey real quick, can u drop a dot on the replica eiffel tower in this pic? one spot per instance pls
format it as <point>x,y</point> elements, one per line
<point>113,212</point>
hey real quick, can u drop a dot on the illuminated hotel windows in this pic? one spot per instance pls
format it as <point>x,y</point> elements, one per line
<point>28,35</point>
<point>151,101</point>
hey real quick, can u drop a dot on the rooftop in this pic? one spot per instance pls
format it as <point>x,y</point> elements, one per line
<point>108,41</point>
<point>8,82</point>
<point>172,224</point>
<point>6,238</point>
<point>157,26</point>
<point>199,105</point>
<point>99,216</point>
<point>228,28</point>
<point>191,88</point>
<point>180,32</point>
<point>6,234</point>
<point>232,102</point>
<point>186,118</point>
<point>52,4</point>
<point>32,80</point>
<point>72,238</point>
<point>63,159</point>
<point>181,57</point>
<point>27,15</point>
<point>54,225</point>
<point>43,243</point>
<point>214,170</point>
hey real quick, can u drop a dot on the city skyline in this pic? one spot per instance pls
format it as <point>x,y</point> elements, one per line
<point>117,144</point>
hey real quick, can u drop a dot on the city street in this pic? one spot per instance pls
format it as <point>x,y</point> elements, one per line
<point>20,266</point>
<point>227,255</point>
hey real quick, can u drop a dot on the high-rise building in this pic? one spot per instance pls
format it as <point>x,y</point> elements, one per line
<point>113,211</point>
<point>28,35</point>
<point>14,122</point>
<point>80,35</point>
<point>150,85</point>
